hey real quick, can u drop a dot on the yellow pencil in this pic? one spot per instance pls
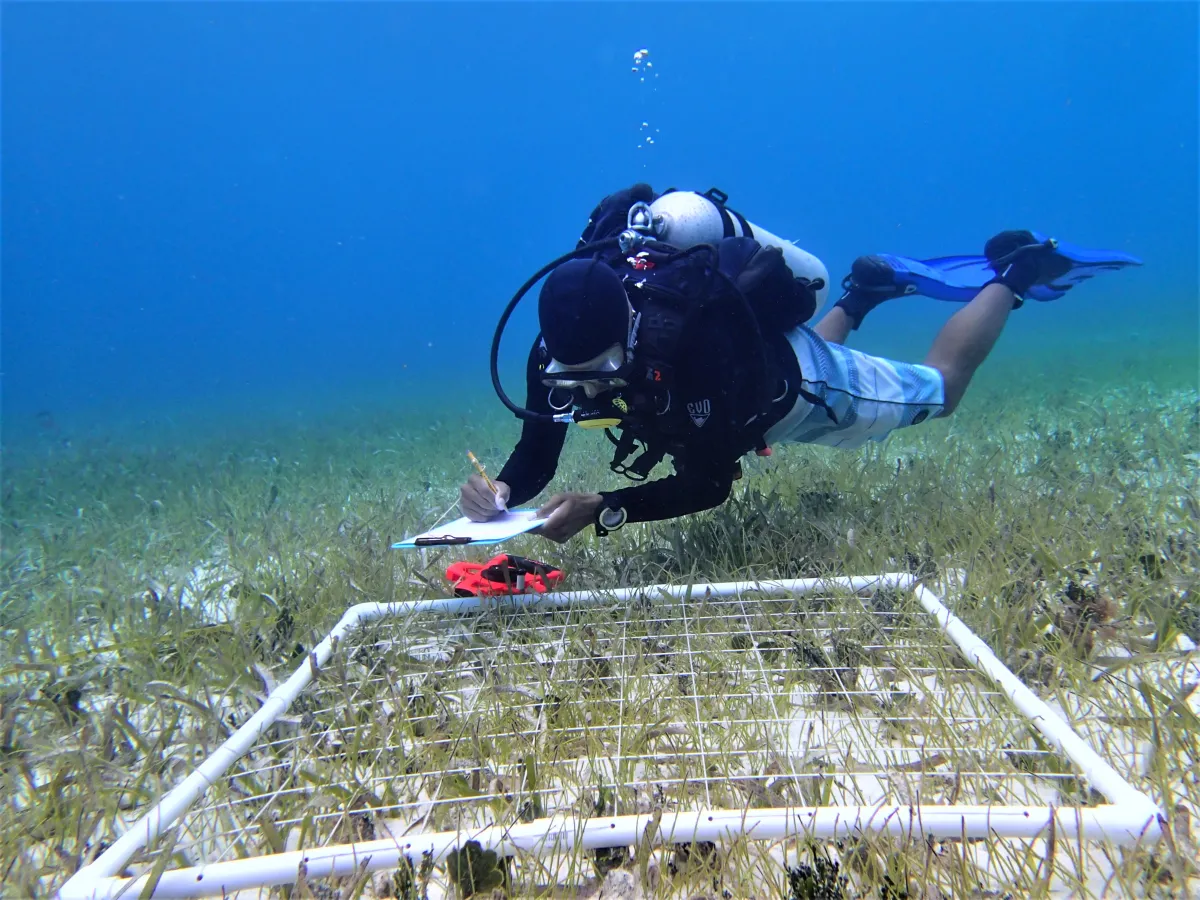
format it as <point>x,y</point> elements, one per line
<point>479,467</point>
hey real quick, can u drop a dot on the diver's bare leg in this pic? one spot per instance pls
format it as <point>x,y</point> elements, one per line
<point>834,326</point>
<point>965,341</point>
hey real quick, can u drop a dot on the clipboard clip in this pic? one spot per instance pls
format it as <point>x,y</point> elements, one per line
<point>442,540</point>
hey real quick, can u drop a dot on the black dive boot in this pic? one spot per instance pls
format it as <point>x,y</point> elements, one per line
<point>1020,261</point>
<point>870,282</point>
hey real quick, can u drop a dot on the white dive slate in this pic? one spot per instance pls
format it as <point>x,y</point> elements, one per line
<point>464,531</point>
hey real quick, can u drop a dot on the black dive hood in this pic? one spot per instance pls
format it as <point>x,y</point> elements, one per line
<point>520,412</point>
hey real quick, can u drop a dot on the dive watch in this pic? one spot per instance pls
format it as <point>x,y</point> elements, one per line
<point>609,518</point>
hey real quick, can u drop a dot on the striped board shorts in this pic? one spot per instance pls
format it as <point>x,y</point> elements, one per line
<point>868,397</point>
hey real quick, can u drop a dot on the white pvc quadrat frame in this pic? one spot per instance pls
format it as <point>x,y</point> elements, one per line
<point>1129,817</point>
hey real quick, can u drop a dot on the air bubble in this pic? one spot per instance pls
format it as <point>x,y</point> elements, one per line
<point>641,67</point>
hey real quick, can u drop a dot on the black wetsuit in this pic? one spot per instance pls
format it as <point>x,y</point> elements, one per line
<point>718,380</point>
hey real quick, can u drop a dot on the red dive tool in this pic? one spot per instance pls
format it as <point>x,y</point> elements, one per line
<point>503,574</point>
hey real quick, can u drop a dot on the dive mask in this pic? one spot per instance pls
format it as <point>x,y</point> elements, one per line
<point>604,372</point>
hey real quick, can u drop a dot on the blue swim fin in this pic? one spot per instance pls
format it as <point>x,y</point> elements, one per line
<point>959,278</point>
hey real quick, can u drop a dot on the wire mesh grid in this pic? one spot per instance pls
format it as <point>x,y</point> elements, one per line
<point>424,722</point>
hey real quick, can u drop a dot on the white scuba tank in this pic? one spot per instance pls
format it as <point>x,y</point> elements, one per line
<point>686,218</point>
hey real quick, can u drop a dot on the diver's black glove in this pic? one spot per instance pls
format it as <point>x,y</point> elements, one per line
<point>1020,262</point>
<point>611,215</point>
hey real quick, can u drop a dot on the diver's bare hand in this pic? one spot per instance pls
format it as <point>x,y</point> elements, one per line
<point>569,514</point>
<point>477,501</point>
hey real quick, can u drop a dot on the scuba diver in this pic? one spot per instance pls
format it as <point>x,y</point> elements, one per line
<point>679,329</point>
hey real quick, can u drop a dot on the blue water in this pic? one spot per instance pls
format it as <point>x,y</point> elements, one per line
<point>280,206</point>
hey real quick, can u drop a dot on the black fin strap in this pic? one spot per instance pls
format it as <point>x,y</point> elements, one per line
<point>849,285</point>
